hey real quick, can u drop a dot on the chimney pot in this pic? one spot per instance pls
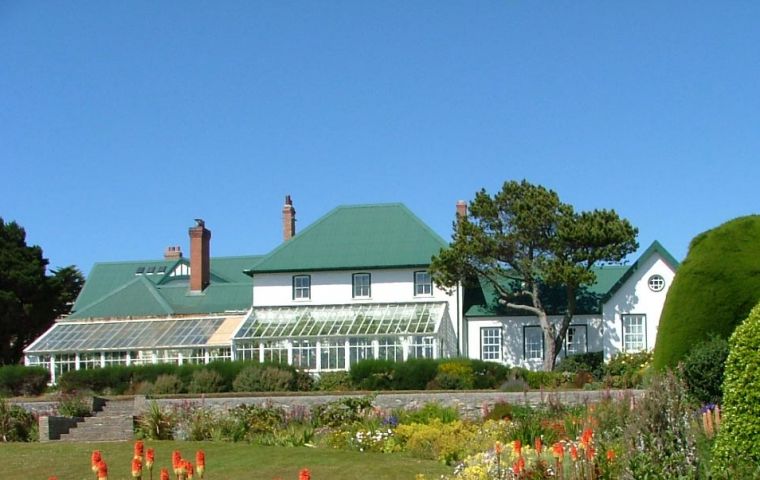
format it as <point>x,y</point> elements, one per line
<point>288,219</point>
<point>172,253</point>
<point>200,268</point>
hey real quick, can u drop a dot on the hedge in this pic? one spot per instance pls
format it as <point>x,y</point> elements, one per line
<point>715,288</point>
<point>20,380</point>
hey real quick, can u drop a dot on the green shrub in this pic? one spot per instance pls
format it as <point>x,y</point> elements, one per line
<point>414,374</point>
<point>342,412</point>
<point>445,442</point>
<point>702,370</point>
<point>488,375</point>
<point>537,380</point>
<point>334,382</point>
<point>16,424</point>
<point>263,378</point>
<point>73,405</point>
<point>590,362</point>
<point>20,380</point>
<point>112,380</point>
<point>156,423</point>
<point>626,370</point>
<point>499,411</point>
<point>715,288</point>
<point>429,413</point>
<point>661,441</point>
<point>371,374</point>
<point>206,381</point>
<point>740,429</point>
<point>167,384</point>
<point>454,374</point>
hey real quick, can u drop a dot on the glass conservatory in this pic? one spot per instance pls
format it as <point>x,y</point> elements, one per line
<point>334,337</point>
<point>77,345</point>
<point>313,338</point>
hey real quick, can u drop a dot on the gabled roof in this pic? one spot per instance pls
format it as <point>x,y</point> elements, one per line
<point>481,300</point>
<point>354,237</point>
<point>126,289</point>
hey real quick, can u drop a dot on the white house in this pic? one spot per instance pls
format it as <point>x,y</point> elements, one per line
<point>353,285</point>
<point>619,313</point>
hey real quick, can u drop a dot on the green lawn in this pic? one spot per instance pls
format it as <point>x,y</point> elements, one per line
<point>71,461</point>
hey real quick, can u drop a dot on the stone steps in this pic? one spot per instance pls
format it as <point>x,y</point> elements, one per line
<point>115,422</point>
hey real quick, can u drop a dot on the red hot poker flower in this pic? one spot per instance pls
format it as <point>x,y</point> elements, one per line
<point>102,470</point>
<point>610,455</point>
<point>586,437</point>
<point>574,453</point>
<point>176,461</point>
<point>519,466</point>
<point>95,459</point>
<point>136,468</point>
<point>558,450</point>
<point>304,474</point>
<point>164,474</point>
<point>517,447</point>
<point>539,445</point>
<point>200,462</point>
<point>139,447</point>
<point>149,458</point>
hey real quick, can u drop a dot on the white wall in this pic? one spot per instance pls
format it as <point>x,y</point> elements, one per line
<point>512,336</point>
<point>635,297</point>
<point>336,288</point>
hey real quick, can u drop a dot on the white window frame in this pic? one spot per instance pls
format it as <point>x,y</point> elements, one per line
<point>301,287</point>
<point>656,283</point>
<point>423,284</point>
<point>359,287</point>
<point>634,328</point>
<point>491,339</point>
<point>572,332</point>
<point>530,352</point>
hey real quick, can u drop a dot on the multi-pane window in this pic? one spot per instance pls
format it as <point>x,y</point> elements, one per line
<point>533,342</point>
<point>64,362</point>
<point>196,356</point>
<point>305,354</point>
<point>421,347</point>
<point>634,333</point>
<point>423,284</point>
<point>247,351</point>
<point>333,354</point>
<point>656,283</point>
<point>115,358</point>
<point>88,361</point>
<point>575,340</point>
<point>391,349</point>
<point>362,285</point>
<point>490,343</point>
<point>301,287</point>
<point>275,352</point>
<point>359,349</point>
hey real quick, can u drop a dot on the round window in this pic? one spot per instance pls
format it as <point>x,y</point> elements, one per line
<point>656,283</point>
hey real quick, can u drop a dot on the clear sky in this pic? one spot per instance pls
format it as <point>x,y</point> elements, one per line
<point>121,122</point>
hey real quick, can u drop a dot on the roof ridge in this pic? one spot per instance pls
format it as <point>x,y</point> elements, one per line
<point>127,262</point>
<point>141,279</point>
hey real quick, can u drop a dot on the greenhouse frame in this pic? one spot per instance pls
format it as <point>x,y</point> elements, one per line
<point>312,338</point>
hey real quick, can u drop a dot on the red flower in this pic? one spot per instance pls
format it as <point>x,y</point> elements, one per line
<point>164,474</point>
<point>136,467</point>
<point>139,447</point>
<point>149,457</point>
<point>102,470</point>
<point>200,462</point>
<point>539,445</point>
<point>610,455</point>
<point>188,469</point>
<point>304,474</point>
<point>176,461</point>
<point>517,447</point>
<point>95,459</point>
<point>590,452</point>
<point>558,450</point>
<point>573,453</point>
<point>586,437</point>
<point>519,466</point>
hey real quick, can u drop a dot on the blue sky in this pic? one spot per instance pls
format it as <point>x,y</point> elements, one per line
<point>121,122</point>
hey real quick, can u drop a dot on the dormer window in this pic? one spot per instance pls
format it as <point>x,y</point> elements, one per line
<point>140,270</point>
<point>423,284</point>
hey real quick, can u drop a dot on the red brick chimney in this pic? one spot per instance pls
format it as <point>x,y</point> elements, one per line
<point>173,252</point>
<point>288,219</point>
<point>200,238</point>
<point>461,209</point>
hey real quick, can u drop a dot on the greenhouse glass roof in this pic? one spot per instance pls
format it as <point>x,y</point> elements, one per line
<point>127,335</point>
<point>342,320</point>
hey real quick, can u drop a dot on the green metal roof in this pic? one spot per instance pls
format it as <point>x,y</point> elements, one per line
<point>117,290</point>
<point>126,335</point>
<point>357,236</point>
<point>482,300</point>
<point>365,320</point>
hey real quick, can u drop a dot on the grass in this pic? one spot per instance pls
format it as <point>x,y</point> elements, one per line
<point>71,461</point>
